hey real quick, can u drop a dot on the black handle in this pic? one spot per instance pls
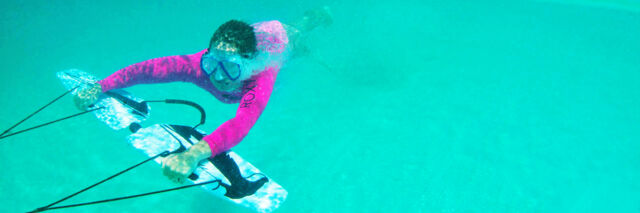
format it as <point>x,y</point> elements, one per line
<point>203,115</point>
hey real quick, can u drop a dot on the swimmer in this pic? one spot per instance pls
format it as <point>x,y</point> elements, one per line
<point>240,65</point>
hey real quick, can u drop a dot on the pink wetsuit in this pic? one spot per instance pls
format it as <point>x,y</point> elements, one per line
<point>253,95</point>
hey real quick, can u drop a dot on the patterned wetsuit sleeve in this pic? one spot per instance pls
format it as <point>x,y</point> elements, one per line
<point>158,70</point>
<point>256,96</point>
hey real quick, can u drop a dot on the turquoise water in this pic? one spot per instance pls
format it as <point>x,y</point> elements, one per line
<point>453,106</point>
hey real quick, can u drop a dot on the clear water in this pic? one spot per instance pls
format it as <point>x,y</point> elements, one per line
<point>446,106</point>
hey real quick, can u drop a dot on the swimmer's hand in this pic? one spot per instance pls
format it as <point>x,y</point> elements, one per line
<point>177,167</point>
<point>86,96</point>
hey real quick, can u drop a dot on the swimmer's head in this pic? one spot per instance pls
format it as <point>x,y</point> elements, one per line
<point>235,37</point>
<point>231,46</point>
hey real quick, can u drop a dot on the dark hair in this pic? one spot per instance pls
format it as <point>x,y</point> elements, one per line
<point>238,34</point>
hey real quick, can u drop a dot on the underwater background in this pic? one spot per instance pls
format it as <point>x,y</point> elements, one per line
<point>411,106</point>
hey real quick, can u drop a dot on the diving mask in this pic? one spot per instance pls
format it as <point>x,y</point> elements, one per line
<point>221,65</point>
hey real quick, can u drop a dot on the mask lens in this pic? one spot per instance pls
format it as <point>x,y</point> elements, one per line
<point>231,69</point>
<point>209,64</point>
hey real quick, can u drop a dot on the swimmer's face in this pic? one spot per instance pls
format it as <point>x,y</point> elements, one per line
<point>220,81</point>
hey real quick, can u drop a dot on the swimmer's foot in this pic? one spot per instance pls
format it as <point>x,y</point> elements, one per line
<point>314,18</point>
<point>320,16</point>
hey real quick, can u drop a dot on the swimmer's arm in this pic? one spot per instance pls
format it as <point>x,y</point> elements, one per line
<point>157,70</point>
<point>199,151</point>
<point>253,103</point>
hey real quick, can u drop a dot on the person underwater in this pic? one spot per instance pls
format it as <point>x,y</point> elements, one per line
<point>240,65</point>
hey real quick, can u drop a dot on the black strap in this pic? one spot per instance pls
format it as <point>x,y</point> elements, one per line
<point>142,109</point>
<point>41,108</point>
<point>163,154</point>
<point>131,196</point>
<point>102,181</point>
<point>50,122</point>
<point>5,135</point>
